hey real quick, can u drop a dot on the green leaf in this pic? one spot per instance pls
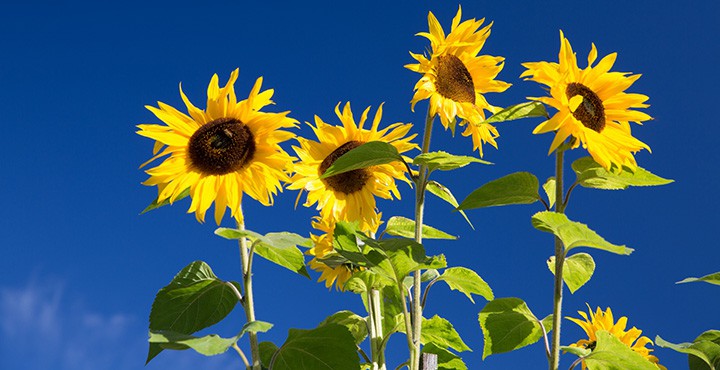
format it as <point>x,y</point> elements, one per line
<point>446,359</point>
<point>574,234</point>
<point>267,350</point>
<point>155,204</point>
<point>209,345</point>
<point>709,344</point>
<point>516,188</point>
<point>445,194</point>
<point>392,311</point>
<point>279,248</point>
<point>577,270</point>
<point>406,256</point>
<point>229,233</point>
<point>612,354</point>
<point>289,257</point>
<point>518,111</point>
<point>445,161</point>
<point>255,327</point>
<point>590,174</point>
<point>467,282</point>
<point>362,281</point>
<point>328,347</point>
<point>367,255</point>
<point>549,187</point>
<point>690,349</point>
<point>286,240</point>
<point>711,351</point>
<point>195,299</point>
<point>508,324</point>
<point>353,322</point>
<point>440,332</point>
<point>405,227</point>
<point>712,279</point>
<point>577,351</point>
<point>372,153</point>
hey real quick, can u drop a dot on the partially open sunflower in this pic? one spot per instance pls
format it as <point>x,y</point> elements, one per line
<point>455,78</point>
<point>592,105</point>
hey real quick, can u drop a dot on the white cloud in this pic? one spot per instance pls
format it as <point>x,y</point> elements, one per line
<point>40,329</point>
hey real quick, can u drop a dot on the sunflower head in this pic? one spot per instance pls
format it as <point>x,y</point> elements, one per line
<point>349,196</point>
<point>592,106</point>
<point>455,78</point>
<point>332,271</point>
<point>219,153</point>
<point>603,320</point>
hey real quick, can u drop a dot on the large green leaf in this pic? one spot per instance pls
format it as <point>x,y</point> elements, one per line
<point>612,354</point>
<point>156,204</point>
<point>440,332</point>
<point>508,324</point>
<point>290,257</point>
<point>279,248</point>
<point>267,350</point>
<point>209,345</point>
<point>445,161</point>
<point>518,111</point>
<point>195,299</point>
<point>327,347</point>
<point>702,360</point>
<point>446,359</point>
<point>711,278</point>
<point>372,153</point>
<point>590,174</point>
<point>353,322</point>
<point>466,281</point>
<point>445,194</point>
<point>574,234</point>
<point>516,188</point>
<point>405,227</point>
<point>577,270</point>
<point>406,256</point>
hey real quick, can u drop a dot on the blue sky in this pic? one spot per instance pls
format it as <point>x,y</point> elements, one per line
<point>81,266</point>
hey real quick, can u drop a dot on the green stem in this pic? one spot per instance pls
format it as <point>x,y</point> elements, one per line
<point>248,303</point>
<point>376,334</point>
<point>420,186</point>
<point>559,261</point>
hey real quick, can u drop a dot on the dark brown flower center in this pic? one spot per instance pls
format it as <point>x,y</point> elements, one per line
<point>221,146</point>
<point>591,111</point>
<point>346,182</point>
<point>454,80</point>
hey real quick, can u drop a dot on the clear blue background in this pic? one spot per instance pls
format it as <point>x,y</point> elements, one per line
<point>80,266</point>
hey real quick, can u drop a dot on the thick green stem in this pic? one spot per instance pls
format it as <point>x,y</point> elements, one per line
<point>376,332</point>
<point>420,185</point>
<point>248,303</point>
<point>559,261</point>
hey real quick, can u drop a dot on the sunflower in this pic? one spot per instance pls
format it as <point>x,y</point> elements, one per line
<point>604,321</point>
<point>455,77</point>
<point>349,196</point>
<point>592,106</point>
<point>219,153</point>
